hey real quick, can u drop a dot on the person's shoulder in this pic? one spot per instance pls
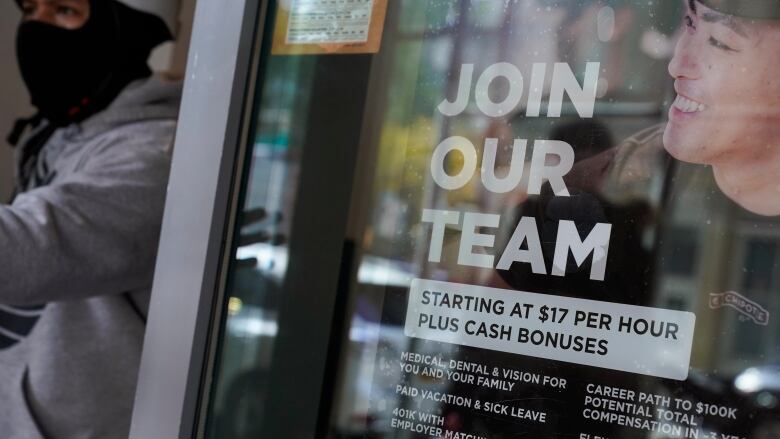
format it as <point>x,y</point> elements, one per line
<point>149,105</point>
<point>140,141</point>
<point>637,162</point>
<point>638,148</point>
<point>141,119</point>
<point>157,92</point>
<point>627,170</point>
<point>141,144</point>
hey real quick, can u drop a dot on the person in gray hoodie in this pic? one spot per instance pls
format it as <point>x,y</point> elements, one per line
<point>78,241</point>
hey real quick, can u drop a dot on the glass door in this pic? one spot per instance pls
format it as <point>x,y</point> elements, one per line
<point>494,219</point>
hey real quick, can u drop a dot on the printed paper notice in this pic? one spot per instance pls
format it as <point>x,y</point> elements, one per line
<point>643,340</point>
<point>329,21</point>
<point>329,26</point>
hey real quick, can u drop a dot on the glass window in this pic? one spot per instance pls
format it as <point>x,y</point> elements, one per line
<point>527,218</point>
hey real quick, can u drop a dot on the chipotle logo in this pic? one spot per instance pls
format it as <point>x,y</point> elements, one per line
<point>747,307</point>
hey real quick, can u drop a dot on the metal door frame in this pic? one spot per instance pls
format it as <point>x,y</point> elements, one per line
<point>197,218</point>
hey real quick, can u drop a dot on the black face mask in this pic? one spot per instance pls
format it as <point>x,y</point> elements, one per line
<point>72,74</point>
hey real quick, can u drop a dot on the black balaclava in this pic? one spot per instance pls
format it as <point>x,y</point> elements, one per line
<point>72,74</point>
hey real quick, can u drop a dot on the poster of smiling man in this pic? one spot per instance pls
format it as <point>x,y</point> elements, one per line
<point>580,203</point>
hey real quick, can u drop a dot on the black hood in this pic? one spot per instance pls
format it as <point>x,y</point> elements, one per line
<point>74,73</point>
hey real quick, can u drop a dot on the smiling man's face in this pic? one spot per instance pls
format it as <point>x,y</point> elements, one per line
<point>727,79</point>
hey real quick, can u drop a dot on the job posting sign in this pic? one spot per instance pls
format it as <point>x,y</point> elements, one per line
<point>628,338</point>
<point>636,339</point>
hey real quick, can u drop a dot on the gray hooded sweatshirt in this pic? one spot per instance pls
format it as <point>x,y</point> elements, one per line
<point>84,245</point>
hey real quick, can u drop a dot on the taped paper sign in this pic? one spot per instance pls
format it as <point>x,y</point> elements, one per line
<point>329,26</point>
<point>636,339</point>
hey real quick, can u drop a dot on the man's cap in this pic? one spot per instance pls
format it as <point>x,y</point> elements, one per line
<point>756,9</point>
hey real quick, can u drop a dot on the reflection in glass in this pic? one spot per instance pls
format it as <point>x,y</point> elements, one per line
<point>677,241</point>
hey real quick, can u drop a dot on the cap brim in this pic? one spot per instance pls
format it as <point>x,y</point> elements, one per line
<point>755,9</point>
